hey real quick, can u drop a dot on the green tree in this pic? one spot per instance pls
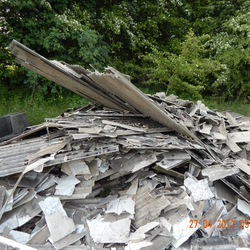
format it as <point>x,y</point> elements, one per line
<point>133,29</point>
<point>231,46</point>
<point>120,34</point>
<point>189,72</point>
<point>57,30</point>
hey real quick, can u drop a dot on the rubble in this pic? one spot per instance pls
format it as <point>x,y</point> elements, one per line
<point>131,171</point>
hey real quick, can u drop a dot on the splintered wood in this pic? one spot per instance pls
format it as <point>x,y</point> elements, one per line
<point>125,174</point>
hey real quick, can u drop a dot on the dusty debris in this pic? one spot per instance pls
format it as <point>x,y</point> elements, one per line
<point>131,171</point>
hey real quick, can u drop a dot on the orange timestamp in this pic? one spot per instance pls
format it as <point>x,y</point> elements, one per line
<point>219,224</point>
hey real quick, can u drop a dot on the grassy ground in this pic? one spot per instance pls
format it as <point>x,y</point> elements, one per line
<point>241,107</point>
<point>38,108</point>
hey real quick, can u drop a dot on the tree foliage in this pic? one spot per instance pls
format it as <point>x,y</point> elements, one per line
<point>232,47</point>
<point>55,29</point>
<point>150,41</point>
<point>189,72</point>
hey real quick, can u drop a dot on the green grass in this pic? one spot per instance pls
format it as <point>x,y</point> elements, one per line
<point>39,108</point>
<point>239,106</point>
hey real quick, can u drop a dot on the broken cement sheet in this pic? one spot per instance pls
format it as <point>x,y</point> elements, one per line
<point>40,236</point>
<point>93,130</point>
<point>240,137</point>
<point>135,162</point>
<point>46,183</point>
<point>211,216</point>
<point>146,207</point>
<point>181,201</point>
<point>148,160</point>
<point>4,193</point>
<point>75,168</point>
<point>21,215</point>
<point>140,233</point>
<point>173,159</point>
<point>24,196</point>
<point>223,192</point>
<point>67,226</point>
<point>121,205</point>
<point>55,213</point>
<point>81,191</point>
<point>217,172</point>
<point>156,192</point>
<point>20,237</point>
<point>133,188</point>
<point>38,165</point>
<point>110,228</point>
<point>182,231</point>
<point>243,206</point>
<point>16,245</point>
<point>52,205</point>
<point>232,121</point>
<point>93,167</point>
<point>68,240</point>
<point>48,149</point>
<point>66,185</point>
<point>123,126</point>
<point>233,216</point>
<point>199,189</point>
<point>197,212</point>
<point>164,224</point>
<point>244,165</point>
<point>175,215</point>
<point>137,245</point>
<point>206,129</point>
<point>160,243</point>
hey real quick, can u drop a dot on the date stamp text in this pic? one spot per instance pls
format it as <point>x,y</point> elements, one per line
<point>219,224</point>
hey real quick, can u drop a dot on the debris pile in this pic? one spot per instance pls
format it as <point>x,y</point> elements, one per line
<point>100,177</point>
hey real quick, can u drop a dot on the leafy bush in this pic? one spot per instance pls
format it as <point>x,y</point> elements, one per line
<point>190,71</point>
<point>55,29</point>
<point>231,46</point>
<point>148,41</point>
